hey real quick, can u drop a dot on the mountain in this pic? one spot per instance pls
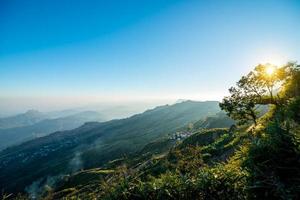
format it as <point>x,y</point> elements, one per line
<point>94,144</point>
<point>109,110</point>
<point>259,158</point>
<point>24,119</point>
<point>44,127</point>
<point>160,158</point>
<point>241,163</point>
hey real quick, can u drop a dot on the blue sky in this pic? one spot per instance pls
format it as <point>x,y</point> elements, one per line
<point>156,49</point>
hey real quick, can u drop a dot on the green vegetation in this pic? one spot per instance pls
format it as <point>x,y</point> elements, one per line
<point>94,145</point>
<point>181,172</point>
<point>257,88</point>
<point>250,161</point>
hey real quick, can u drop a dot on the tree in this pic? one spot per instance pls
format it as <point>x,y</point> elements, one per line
<point>239,107</point>
<point>291,86</point>
<point>256,88</point>
<point>263,81</point>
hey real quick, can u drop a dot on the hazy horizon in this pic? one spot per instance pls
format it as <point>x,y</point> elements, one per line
<point>60,55</point>
<point>11,107</point>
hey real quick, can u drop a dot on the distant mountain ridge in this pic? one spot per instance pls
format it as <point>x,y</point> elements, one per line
<point>25,119</point>
<point>42,127</point>
<point>69,151</point>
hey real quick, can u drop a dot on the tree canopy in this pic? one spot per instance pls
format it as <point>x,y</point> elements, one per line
<point>262,86</point>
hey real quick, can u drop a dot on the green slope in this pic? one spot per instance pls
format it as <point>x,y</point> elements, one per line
<point>94,144</point>
<point>243,163</point>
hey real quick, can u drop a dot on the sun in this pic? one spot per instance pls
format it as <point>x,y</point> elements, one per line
<point>270,70</point>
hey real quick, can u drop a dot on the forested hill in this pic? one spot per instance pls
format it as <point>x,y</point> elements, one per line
<point>257,159</point>
<point>94,144</point>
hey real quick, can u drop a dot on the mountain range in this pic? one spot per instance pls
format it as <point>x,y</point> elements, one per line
<point>94,144</point>
<point>25,119</point>
<point>34,124</point>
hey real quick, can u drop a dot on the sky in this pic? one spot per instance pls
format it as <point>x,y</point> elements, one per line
<point>64,53</point>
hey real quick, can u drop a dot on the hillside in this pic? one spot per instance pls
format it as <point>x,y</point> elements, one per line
<point>158,159</point>
<point>17,135</point>
<point>174,151</point>
<point>220,120</point>
<point>241,163</point>
<point>93,144</point>
<point>259,158</point>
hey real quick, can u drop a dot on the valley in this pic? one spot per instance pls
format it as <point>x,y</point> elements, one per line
<point>95,143</point>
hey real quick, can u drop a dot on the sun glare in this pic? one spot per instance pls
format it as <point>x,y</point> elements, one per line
<point>270,70</point>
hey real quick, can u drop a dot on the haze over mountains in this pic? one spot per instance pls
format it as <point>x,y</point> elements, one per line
<point>149,100</point>
<point>24,119</point>
<point>94,143</point>
<point>34,124</point>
